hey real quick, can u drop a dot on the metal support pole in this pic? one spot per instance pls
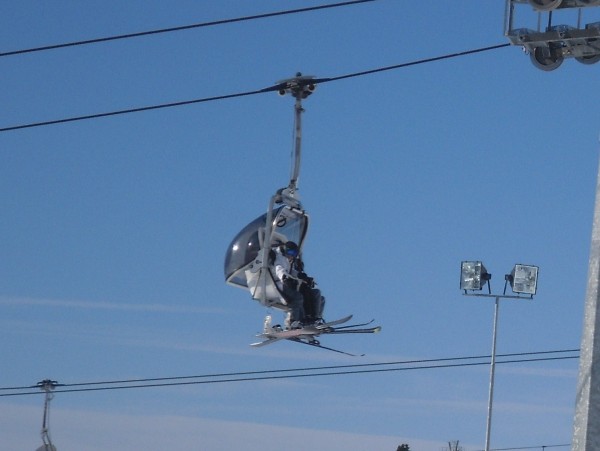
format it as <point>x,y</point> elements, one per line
<point>46,421</point>
<point>47,386</point>
<point>507,278</point>
<point>492,374</point>
<point>295,172</point>
<point>586,427</point>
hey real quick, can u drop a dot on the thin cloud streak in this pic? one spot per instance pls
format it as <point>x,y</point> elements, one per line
<point>95,431</point>
<point>88,305</point>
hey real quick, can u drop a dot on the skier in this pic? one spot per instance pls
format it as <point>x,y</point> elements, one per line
<point>299,290</point>
<point>314,302</point>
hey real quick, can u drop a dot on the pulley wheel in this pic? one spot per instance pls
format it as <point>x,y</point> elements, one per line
<point>545,5</point>
<point>544,61</point>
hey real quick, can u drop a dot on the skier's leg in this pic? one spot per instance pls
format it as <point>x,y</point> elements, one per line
<point>295,302</point>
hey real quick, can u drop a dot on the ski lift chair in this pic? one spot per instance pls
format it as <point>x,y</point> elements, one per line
<point>247,262</point>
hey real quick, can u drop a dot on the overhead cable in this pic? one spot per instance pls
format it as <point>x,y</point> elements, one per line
<point>131,110</point>
<point>276,87</point>
<point>542,447</point>
<point>182,28</point>
<point>246,376</point>
<point>414,63</point>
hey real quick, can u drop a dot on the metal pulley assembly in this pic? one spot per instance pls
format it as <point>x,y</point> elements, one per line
<point>548,44</point>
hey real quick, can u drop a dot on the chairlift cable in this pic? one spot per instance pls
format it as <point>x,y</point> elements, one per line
<point>182,27</point>
<point>245,93</point>
<point>414,63</point>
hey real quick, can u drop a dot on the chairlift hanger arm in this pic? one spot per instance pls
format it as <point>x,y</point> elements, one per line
<point>300,87</point>
<point>47,386</point>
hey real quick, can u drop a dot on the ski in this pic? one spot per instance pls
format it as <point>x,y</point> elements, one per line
<point>343,320</point>
<point>369,330</point>
<point>307,330</point>
<point>268,341</point>
<point>316,344</point>
<point>307,335</point>
<point>354,325</point>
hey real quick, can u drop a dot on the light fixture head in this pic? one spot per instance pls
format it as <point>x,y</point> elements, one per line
<point>523,279</point>
<point>473,275</point>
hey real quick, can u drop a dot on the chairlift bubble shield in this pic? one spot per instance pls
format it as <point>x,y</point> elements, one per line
<point>289,224</point>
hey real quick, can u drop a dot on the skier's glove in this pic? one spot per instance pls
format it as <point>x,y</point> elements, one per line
<point>290,283</point>
<point>309,281</point>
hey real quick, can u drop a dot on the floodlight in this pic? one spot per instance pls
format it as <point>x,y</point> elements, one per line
<point>473,275</point>
<point>523,279</point>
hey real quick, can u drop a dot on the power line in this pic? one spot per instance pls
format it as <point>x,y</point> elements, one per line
<point>357,365</point>
<point>247,93</point>
<point>291,373</point>
<point>541,447</point>
<point>182,27</point>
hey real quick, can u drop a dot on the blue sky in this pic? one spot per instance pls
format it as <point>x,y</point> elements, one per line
<point>113,231</point>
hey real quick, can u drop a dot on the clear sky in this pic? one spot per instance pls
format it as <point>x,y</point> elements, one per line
<point>113,231</point>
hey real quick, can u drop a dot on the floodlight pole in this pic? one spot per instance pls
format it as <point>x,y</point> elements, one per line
<point>488,428</point>
<point>497,297</point>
